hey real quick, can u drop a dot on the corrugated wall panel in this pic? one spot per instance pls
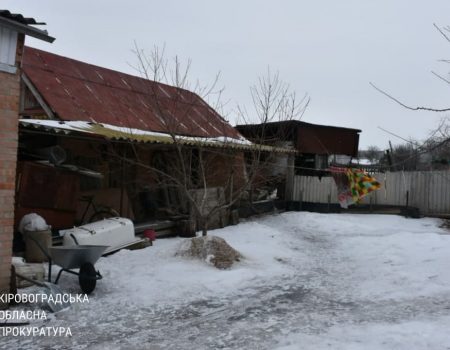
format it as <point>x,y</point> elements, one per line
<point>8,43</point>
<point>432,187</point>
<point>446,193</point>
<point>428,190</point>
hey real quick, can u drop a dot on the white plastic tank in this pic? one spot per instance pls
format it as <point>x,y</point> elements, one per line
<point>114,232</point>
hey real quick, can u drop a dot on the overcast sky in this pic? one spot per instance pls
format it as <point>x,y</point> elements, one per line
<point>329,49</point>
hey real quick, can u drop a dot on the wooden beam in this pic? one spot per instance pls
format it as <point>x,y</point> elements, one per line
<point>38,97</point>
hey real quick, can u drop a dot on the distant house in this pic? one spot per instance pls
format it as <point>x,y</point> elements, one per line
<point>317,145</point>
<point>106,127</point>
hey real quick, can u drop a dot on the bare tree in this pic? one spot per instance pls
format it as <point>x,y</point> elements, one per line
<point>437,147</point>
<point>433,153</point>
<point>372,153</point>
<point>273,101</point>
<point>445,32</point>
<point>406,157</point>
<point>194,167</point>
<point>439,138</point>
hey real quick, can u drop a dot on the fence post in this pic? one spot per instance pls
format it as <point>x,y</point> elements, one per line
<point>300,199</point>
<point>290,180</point>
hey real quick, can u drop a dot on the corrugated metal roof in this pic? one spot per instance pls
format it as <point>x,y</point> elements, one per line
<point>17,17</point>
<point>78,91</point>
<point>290,124</point>
<point>308,138</point>
<point>112,132</point>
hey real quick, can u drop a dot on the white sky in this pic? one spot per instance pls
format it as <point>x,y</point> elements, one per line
<point>327,48</point>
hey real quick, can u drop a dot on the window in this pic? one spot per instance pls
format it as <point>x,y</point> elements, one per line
<point>315,162</point>
<point>8,44</point>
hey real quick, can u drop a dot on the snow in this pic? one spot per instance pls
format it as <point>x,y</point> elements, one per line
<point>426,334</point>
<point>32,222</point>
<point>307,281</point>
<point>175,280</point>
<point>83,126</point>
<point>363,161</point>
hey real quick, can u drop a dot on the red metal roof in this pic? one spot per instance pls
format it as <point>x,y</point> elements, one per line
<point>78,91</point>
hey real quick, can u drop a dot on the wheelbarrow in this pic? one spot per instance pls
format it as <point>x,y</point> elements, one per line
<point>82,257</point>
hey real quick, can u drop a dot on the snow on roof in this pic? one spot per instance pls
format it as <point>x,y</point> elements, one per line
<point>122,133</point>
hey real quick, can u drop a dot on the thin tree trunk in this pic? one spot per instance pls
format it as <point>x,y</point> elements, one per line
<point>204,227</point>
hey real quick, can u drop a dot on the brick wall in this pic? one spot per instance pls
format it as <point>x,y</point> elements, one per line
<point>9,114</point>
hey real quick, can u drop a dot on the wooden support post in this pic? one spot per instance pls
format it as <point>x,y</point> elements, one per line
<point>300,206</point>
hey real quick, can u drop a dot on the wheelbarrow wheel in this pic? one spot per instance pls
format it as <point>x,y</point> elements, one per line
<point>87,278</point>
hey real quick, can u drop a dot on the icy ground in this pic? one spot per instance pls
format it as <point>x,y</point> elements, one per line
<point>309,281</point>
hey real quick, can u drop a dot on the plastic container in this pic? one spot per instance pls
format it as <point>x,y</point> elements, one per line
<point>112,232</point>
<point>32,251</point>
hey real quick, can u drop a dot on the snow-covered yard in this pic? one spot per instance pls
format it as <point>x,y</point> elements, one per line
<point>308,281</point>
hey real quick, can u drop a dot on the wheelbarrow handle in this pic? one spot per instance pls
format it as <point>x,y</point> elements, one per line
<point>74,239</point>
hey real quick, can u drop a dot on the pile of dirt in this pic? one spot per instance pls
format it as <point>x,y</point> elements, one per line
<point>214,250</point>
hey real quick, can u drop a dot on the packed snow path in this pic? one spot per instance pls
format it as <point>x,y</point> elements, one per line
<point>309,281</point>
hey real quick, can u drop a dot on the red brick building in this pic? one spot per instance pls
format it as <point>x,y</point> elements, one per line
<point>13,29</point>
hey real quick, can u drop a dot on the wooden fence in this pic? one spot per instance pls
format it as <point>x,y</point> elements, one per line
<point>427,190</point>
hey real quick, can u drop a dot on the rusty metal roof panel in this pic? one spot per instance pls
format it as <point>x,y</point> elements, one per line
<point>77,91</point>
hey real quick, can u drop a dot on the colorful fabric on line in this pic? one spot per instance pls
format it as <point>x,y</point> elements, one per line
<point>352,184</point>
<point>344,193</point>
<point>361,184</point>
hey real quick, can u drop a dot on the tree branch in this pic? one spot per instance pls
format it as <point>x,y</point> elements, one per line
<point>441,31</point>
<point>419,108</point>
